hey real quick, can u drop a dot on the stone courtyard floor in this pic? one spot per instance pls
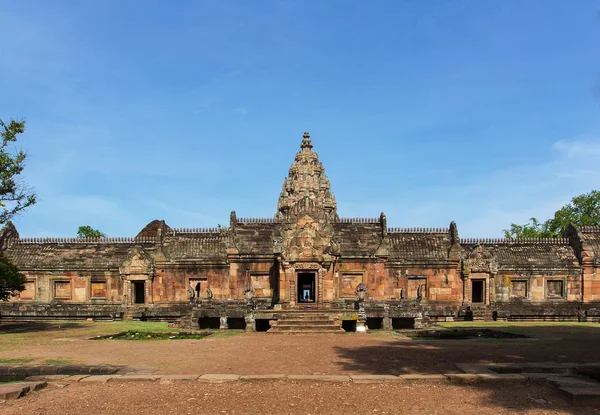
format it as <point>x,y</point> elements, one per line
<point>233,352</point>
<point>242,353</point>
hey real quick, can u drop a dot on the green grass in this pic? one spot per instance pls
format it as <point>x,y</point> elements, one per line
<point>535,329</point>
<point>19,361</point>
<point>145,336</point>
<point>503,324</point>
<point>57,361</point>
<point>226,333</point>
<point>47,333</point>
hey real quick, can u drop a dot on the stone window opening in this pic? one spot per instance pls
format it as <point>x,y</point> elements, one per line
<point>98,289</point>
<point>29,292</point>
<point>139,294</point>
<point>554,289</point>
<point>349,325</point>
<point>199,286</point>
<point>62,290</point>
<point>478,291</point>
<point>399,323</point>
<point>348,284</point>
<point>519,288</point>
<point>374,323</point>
<point>209,323</point>
<point>262,324</point>
<point>417,287</point>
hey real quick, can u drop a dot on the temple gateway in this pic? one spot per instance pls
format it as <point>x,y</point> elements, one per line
<point>306,268</point>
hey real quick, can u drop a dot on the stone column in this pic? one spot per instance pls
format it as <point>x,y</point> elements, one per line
<point>129,289</point>
<point>148,291</point>
<point>588,278</point>
<point>465,289</point>
<point>289,286</point>
<point>387,321</point>
<point>319,287</point>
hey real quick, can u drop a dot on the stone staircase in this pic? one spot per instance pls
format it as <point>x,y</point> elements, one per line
<point>295,322</point>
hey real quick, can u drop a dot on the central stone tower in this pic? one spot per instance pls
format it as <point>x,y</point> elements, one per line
<point>306,209</point>
<point>307,188</point>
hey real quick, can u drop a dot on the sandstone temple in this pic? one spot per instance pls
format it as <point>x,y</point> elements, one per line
<point>258,272</point>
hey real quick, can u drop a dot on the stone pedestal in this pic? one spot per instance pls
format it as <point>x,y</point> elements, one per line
<point>250,323</point>
<point>361,327</point>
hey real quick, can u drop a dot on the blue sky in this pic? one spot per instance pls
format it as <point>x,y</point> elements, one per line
<point>481,112</point>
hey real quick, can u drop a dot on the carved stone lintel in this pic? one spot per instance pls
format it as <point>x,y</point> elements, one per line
<point>307,265</point>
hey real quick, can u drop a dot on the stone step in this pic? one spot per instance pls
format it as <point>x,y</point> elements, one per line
<point>306,322</point>
<point>305,328</point>
<point>340,331</point>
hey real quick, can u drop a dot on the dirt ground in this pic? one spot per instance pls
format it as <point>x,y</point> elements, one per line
<point>264,353</point>
<point>281,397</point>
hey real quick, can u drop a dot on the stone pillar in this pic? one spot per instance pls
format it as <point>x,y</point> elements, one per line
<point>319,287</point>
<point>223,323</point>
<point>289,286</point>
<point>129,291</point>
<point>588,279</point>
<point>387,321</point>
<point>466,290</point>
<point>250,322</point>
<point>148,291</point>
<point>492,291</point>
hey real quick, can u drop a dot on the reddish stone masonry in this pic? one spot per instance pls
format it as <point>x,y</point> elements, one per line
<point>306,257</point>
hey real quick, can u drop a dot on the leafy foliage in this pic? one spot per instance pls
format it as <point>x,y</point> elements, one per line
<point>532,229</point>
<point>87,231</point>
<point>583,210</point>
<point>14,195</point>
<point>11,280</point>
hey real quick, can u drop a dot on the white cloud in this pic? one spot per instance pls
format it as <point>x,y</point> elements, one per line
<point>576,149</point>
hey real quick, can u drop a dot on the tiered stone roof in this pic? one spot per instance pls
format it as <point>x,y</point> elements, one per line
<point>306,191</point>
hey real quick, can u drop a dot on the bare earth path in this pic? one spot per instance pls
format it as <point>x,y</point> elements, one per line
<point>262,353</point>
<point>278,397</point>
<point>259,353</point>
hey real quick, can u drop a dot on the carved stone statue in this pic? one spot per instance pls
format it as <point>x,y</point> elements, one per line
<point>361,291</point>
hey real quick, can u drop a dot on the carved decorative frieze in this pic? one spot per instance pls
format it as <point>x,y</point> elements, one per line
<point>479,260</point>
<point>307,265</point>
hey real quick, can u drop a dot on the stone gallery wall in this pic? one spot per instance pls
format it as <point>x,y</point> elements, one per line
<point>306,255</point>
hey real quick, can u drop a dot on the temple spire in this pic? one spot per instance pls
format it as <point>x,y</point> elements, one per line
<point>306,184</point>
<point>306,143</point>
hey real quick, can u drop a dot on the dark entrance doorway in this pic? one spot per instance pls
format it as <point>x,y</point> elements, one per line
<point>138,292</point>
<point>477,291</point>
<point>306,287</point>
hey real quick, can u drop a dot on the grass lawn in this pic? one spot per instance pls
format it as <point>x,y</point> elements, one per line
<point>535,329</point>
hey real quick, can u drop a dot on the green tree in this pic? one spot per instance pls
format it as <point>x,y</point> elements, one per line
<point>14,194</point>
<point>11,280</point>
<point>583,210</point>
<point>532,229</point>
<point>89,232</point>
<point>14,197</point>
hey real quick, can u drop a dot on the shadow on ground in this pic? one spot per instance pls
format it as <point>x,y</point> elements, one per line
<point>546,344</point>
<point>35,326</point>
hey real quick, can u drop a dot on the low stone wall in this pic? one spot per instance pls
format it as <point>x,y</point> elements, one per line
<point>187,314</point>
